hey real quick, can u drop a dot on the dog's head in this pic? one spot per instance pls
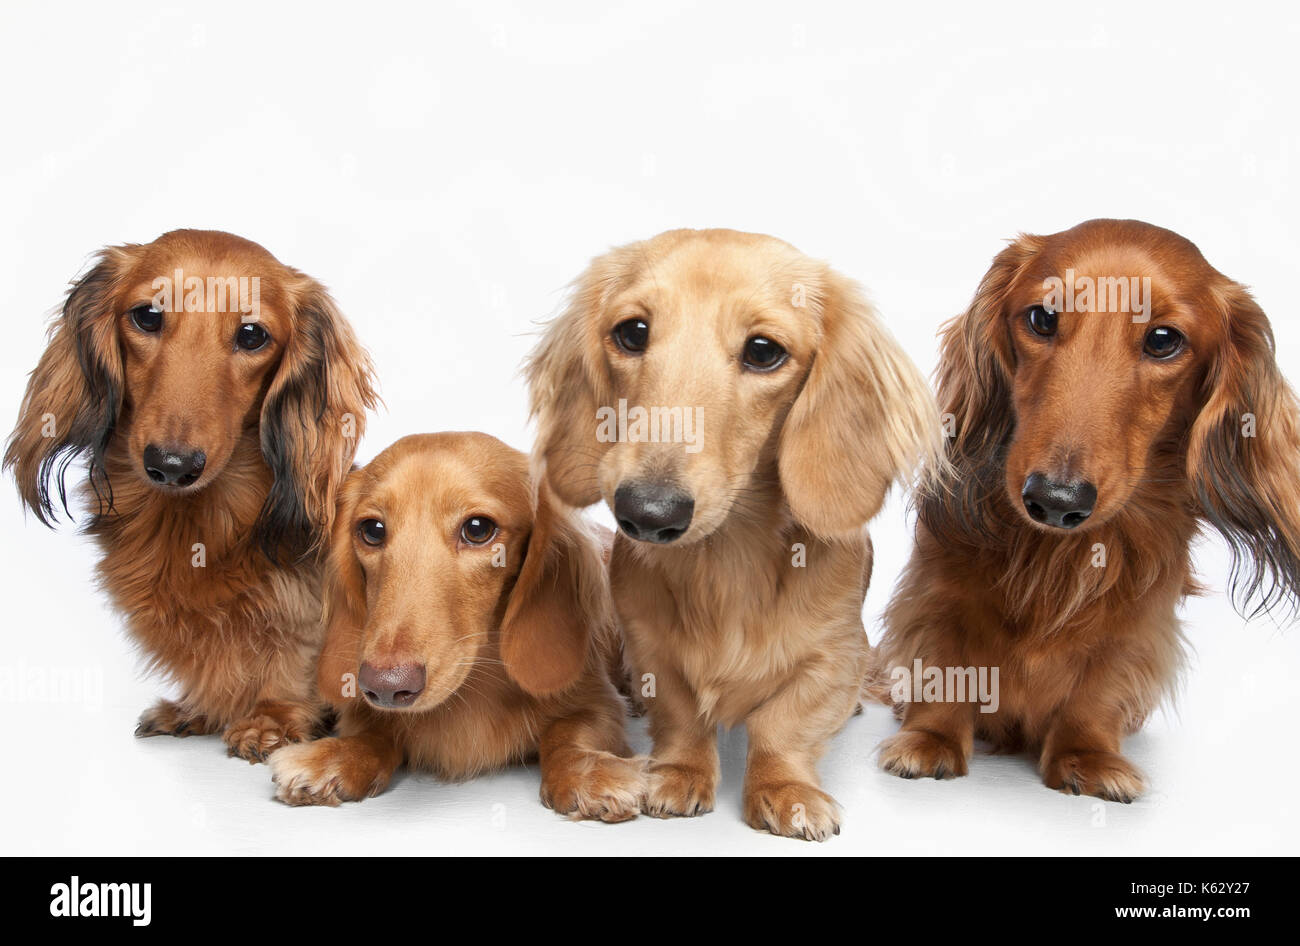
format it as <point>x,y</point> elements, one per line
<point>168,354</point>
<point>697,370</point>
<point>1110,371</point>
<point>443,556</point>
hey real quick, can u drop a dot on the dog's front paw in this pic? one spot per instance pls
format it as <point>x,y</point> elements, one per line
<point>256,736</point>
<point>678,790</point>
<point>1107,775</point>
<point>325,772</point>
<point>166,718</point>
<point>792,810</point>
<point>918,754</point>
<point>597,785</point>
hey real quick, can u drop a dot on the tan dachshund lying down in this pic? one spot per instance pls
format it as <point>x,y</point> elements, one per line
<point>469,626</point>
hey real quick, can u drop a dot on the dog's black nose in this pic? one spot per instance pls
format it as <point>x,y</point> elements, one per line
<point>653,513</point>
<point>173,466</point>
<point>393,686</point>
<point>1063,505</point>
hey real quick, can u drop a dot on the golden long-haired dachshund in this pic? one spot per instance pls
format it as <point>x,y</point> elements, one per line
<point>743,412</point>
<point>218,396</point>
<point>469,627</point>
<point>1109,392</point>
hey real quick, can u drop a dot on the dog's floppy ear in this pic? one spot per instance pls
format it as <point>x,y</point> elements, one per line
<point>1244,458</point>
<point>976,364</point>
<point>74,394</point>
<point>864,418</point>
<point>568,381</point>
<point>343,604</point>
<point>313,416</point>
<point>560,596</point>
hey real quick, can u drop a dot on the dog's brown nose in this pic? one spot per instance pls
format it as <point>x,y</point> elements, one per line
<point>392,687</point>
<point>173,466</point>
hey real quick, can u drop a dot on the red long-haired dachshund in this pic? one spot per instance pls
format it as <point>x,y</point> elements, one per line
<point>470,626</point>
<point>1109,392</point>
<point>218,396</point>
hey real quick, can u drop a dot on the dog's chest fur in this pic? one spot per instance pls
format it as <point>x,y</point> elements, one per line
<point>1047,611</point>
<point>486,724</point>
<point>737,620</point>
<point>206,607</point>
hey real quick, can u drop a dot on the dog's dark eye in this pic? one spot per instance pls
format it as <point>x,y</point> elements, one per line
<point>372,531</point>
<point>632,335</point>
<point>763,354</point>
<point>1163,342</point>
<point>1042,321</point>
<point>147,319</point>
<point>252,336</point>
<point>478,529</point>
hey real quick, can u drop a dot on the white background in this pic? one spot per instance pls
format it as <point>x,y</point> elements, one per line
<point>446,169</point>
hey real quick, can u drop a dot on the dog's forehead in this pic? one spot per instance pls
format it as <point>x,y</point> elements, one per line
<point>436,475</point>
<point>1064,260</point>
<point>1116,249</point>
<point>193,274</point>
<point>206,253</point>
<point>714,266</point>
<point>1093,275</point>
<point>204,269</point>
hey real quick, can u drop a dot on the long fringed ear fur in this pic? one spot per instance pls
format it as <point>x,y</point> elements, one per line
<point>560,597</point>
<point>1244,459</point>
<point>313,417</point>
<point>975,368</point>
<point>864,419</point>
<point>343,605</point>
<point>567,382</point>
<point>73,396</point>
